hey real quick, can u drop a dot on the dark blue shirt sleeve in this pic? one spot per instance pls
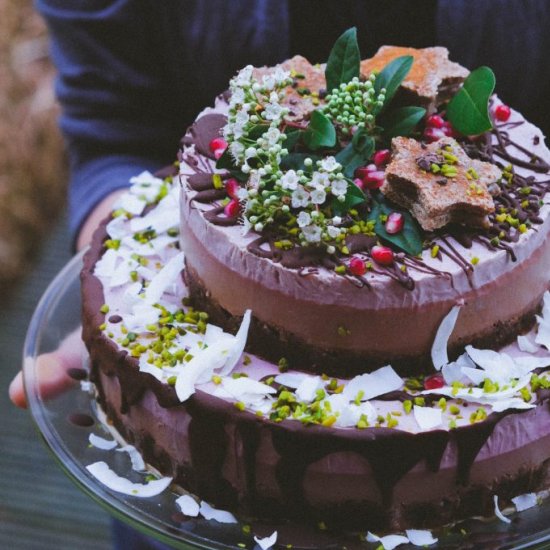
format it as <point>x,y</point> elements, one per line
<point>132,74</point>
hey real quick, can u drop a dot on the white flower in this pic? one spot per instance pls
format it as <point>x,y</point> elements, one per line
<point>312,233</point>
<point>254,179</point>
<point>272,111</point>
<point>337,220</point>
<point>272,136</point>
<point>242,194</point>
<point>290,180</point>
<point>243,77</point>
<point>333,232</point>
<point>320,179</point>
<point>237,96</point>
<point>280,75</point>
<point>250,153</point>
<point>236,149</point>
<point>242,118</point>
<point>303,219</point>
<point>268,82</point>
<point>330,164</point>
<point>238,131</point>
<point>274,97</point>
<point>339,187</point>
<point>300,197</point>
<point>318,196</point>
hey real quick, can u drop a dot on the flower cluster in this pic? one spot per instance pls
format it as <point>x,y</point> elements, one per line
<point>293,203</point>
<point>355,104</point>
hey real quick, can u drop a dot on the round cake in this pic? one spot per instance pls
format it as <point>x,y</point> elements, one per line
<point>335,312</point>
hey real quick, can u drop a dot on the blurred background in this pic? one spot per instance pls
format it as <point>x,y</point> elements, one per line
<point>39,507</point>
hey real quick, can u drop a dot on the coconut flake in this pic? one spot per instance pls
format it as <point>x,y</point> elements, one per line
<point>526,344</point>
<point>291,379</point>
<point>420,537</point>
<point>138,465</point>
<point>113,481</point>
<point>427,417</point>
<point>238,345</point>
<point>129,202</point>
<point>221,516</point>
<point>543,332</point>
<point>498,513</point>
<point>148,368</point>
<point>524,502</point>
<point>116,228</point>
<point>247,390</point>
<point>389,542</point>
<point>165,278</point>
<point>267,542</point>
<point>439,346</point>
<point>379,382</point>
<point>307,390</point>
<point>142,315</point>
<point>188,506</point>
<point>102,443</point>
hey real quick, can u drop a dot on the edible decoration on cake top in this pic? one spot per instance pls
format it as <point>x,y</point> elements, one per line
<point>433,79</point>
<point>305,168</point>
<point>439,183</point>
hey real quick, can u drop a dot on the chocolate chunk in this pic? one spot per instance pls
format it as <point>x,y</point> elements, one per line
<point>456,193</point>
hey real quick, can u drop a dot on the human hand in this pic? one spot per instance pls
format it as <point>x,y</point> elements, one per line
<point>52,367</point>
<point>52,370</point>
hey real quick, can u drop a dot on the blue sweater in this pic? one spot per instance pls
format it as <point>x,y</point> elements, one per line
<point>134,73</point>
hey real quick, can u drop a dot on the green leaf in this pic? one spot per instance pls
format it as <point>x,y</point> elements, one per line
<point>357,153</point>
<point>292,138</point>
<point>354,197</point>
<point>468,111</point>
<point>409,239</point>
<point>295,161</point>
<point>401,121</point>
<point>320,132</point>
<point>344,60</point>
<point>391,76</point>
<point>226,161</point>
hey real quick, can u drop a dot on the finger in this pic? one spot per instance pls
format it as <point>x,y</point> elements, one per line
<point>17,391</point>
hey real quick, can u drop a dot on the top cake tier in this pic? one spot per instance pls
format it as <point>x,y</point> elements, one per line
<point>351,232</point>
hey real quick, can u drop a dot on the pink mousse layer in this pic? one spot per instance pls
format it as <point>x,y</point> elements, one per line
<point>386,320</point>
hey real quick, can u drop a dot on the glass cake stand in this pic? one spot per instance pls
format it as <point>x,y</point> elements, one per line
<point>66,419</point>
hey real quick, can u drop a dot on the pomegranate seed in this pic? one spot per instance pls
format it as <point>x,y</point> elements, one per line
<point>232,187</point>
<point>217,143</point>
<point>433,134</point>
<point>502,112</point>
<point>357,266</point>
<point>382,157</point>
<point>434,382</point>
<point>382,255</point>
<point>374,180</point>
<point>232,208</point>
<point>359,183</point>
<point>435,121</point>
<point>364,170</point>
<point>395,222</point>
<point>448,130</point>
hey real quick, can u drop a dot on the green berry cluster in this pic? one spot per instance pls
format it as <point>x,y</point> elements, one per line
<point>355,104</point>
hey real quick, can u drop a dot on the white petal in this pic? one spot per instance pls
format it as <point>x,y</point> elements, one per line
<point>266,542</point>
<point>427,417</point>
<point>101,443</point>
<point>188,506</point>
<point>439,346</point>
<point>246,389</point>
<point>498,513</point>
<point>113,481</point>
<point>117,227</point>
<point>220,516</point>
<point>543,331</point>
<point>138,465</point>
<point>524,502</point>
<point>420,537</point>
